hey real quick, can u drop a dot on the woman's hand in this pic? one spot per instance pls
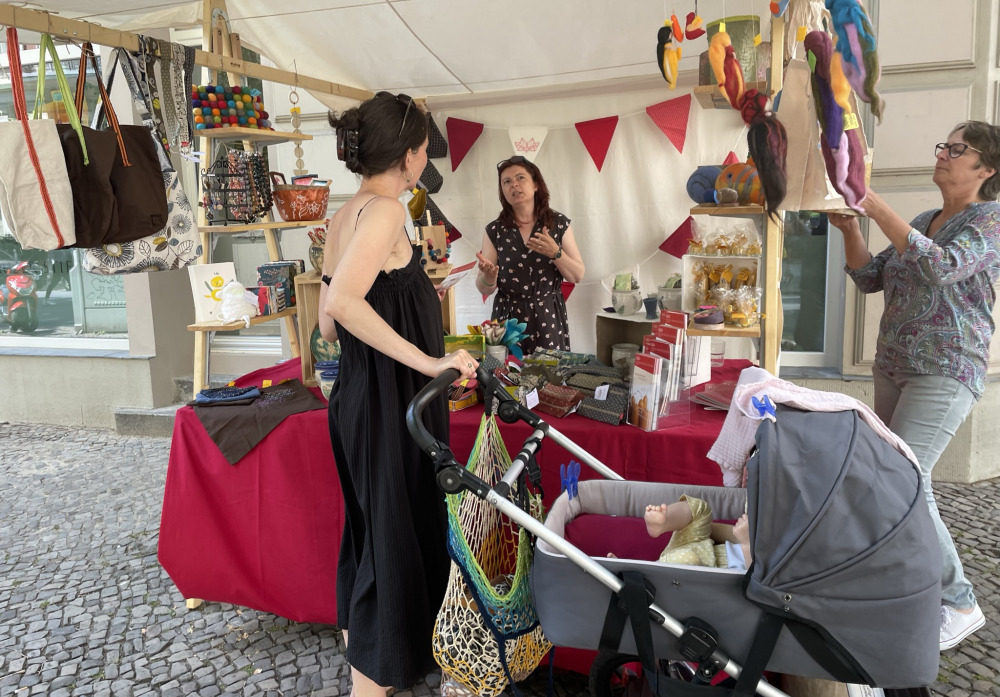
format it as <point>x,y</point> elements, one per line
<point>543,243</point>
<point>459,360</point>
<point>440,291</point>
<point>843,222</point>
<point>488,271</point>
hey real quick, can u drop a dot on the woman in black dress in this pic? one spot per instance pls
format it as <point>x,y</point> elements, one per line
<point>375,297</point>
<point>527,252</point>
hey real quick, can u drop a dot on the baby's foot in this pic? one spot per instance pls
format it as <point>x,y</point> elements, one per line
<point>656,520</point>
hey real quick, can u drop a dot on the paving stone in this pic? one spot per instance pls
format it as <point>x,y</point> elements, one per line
<point>86,610</point>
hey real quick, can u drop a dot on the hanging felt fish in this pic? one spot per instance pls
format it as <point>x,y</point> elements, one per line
<point>668,55</point>
<point>694,28</point>
<point>856,43</point>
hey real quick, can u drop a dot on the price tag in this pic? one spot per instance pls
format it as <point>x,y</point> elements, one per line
<point>850,121</point>
<point>265,383</point>
<point>601,393</point>
<point>800,33</point>
<point>531,399</point>
<point>722,26</point>
<point>757,40</point>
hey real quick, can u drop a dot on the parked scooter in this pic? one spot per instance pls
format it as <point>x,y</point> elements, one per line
<point>19,306</point>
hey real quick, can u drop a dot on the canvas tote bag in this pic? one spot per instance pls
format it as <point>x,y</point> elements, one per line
<point>136,177</point>
<point>35,194</point>
<point>179,242</point>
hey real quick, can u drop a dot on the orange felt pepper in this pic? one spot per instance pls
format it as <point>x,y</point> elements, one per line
<point>676,26</point>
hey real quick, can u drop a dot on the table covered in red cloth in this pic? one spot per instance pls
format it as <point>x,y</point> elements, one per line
<point>265,533</point>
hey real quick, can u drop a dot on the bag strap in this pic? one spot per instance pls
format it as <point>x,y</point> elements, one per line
<point>21,113</point>
<point>124,60</point>
<point>87,51</point>
<point>47,45</point>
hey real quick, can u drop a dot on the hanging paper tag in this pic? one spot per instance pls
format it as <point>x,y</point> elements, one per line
<point>601,393</point>
<point>265,383</point>
<point>800,33</point>
<point>722,26</point>
<point>757,40</point>
<point>850,121</point>
<point>531,399</point>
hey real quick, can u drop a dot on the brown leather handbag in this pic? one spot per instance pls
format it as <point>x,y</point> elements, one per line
<point>120,195</point>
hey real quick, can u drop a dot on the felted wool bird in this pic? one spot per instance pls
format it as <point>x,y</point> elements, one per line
<point>675,26</point>
<point>694,27</point>
<point>668,55</point>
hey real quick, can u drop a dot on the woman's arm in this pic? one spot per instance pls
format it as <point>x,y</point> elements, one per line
<point>888,220</point>
<point>368,251</point>
<point>855,248</point>
<point>570,263</point>
<point>486,279</point>
<point>327,328</point>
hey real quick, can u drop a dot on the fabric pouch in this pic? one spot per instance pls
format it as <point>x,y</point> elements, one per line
<point>610,410</point>
<point>558,400</point>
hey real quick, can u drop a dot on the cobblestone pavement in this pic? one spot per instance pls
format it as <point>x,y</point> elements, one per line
<point>85,608</point>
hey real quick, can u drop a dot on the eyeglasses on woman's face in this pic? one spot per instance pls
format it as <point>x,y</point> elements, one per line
<point>955,150</point>
<point>402,99</point>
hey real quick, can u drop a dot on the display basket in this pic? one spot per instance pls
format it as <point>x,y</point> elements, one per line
<point>297,203</point>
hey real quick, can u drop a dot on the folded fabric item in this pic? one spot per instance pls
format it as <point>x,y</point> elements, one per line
<point>215,395</point>
<point>237,429</point>
<point>610,410</point>
<point>558,400</point>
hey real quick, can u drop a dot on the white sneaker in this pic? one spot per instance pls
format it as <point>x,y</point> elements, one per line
<point>956,625</point>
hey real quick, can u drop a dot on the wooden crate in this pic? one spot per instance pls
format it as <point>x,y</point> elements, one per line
<point>307,302</point>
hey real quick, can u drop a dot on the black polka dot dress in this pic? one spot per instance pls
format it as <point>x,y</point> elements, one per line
<point>529,286</point>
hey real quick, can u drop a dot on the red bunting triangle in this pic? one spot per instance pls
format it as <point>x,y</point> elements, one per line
<point>671,117</point>
<point>731,159</point>
<point>567,288</point>
<point>596,136</point>
<point>677,242</point>
<point>462,135</point>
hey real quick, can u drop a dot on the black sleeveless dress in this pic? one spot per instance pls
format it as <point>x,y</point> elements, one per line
<point>529,286</point>
<point>393,565</point>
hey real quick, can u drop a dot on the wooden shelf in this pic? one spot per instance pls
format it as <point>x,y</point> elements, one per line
<point>254,135</point>
<point>710,97</point>
<point>743,332</point>
<point>732,209</point>
<point>276,225</point>
<point>239,324</point>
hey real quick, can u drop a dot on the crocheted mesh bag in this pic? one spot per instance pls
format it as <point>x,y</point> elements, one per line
<point>487,632</point>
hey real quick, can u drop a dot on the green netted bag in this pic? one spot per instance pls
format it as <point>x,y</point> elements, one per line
<point>487,633</point>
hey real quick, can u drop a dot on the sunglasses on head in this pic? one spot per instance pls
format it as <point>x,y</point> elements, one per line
<point>402,99</point>
<point>516,160</point>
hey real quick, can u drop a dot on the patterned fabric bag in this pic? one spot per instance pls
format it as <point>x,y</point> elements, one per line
<point>431,179</point>
<point>179,243</point>
<point>437,146</point>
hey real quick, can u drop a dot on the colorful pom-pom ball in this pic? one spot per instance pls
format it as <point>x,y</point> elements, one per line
<point>247,98</point>
<point>264,124</point>
<point>199,119</point>
<point>199,125</point>
<point>215,112</point>
<point>206,110</point>
<point>210,88</point>
<point>230,103</point>
<point>217,119</point>
<point>195,102</point>
<point>237,89</point>
<point>212,97</point>
<point>263,115</point>
<point>252,121</point>
<point>243,120</point>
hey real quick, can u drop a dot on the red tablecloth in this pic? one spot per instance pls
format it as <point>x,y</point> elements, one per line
<point>265,533</point>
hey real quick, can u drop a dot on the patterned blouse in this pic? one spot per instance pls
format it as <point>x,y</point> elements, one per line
<point>529,286</point>
<point>938,317</point>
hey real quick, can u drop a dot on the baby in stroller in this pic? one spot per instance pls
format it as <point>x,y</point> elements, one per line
<point>697,540</point>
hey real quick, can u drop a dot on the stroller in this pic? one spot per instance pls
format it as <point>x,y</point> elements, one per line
<point>845,579</point>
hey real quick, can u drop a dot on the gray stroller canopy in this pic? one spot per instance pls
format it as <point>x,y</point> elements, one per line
<point>844,548</point>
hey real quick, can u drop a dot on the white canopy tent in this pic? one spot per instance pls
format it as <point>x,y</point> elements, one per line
<point>546,64</point>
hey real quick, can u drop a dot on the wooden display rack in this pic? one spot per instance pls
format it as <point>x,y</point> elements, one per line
<point>437,272</point>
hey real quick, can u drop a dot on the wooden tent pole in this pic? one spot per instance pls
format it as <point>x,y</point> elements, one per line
<point>80,31</point>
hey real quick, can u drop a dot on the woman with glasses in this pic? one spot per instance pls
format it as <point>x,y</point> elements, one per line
<point>393,566</point>
<point>527,252</point>
<point>937,278</point>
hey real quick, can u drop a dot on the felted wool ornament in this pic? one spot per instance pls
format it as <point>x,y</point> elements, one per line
<point>702,182</point>
<point>839,84</point>
<point>742,177</point>
<point>668,55</point>
<point>694,27</point>
<point>856,43</point>
<point>846,167</point>
<point>676,29</point>
<point>828,111</point>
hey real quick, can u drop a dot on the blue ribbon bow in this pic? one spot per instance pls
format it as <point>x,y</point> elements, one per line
<point>763,406</point>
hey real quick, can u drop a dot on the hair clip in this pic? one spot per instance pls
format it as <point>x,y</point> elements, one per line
<point>347,145</point>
